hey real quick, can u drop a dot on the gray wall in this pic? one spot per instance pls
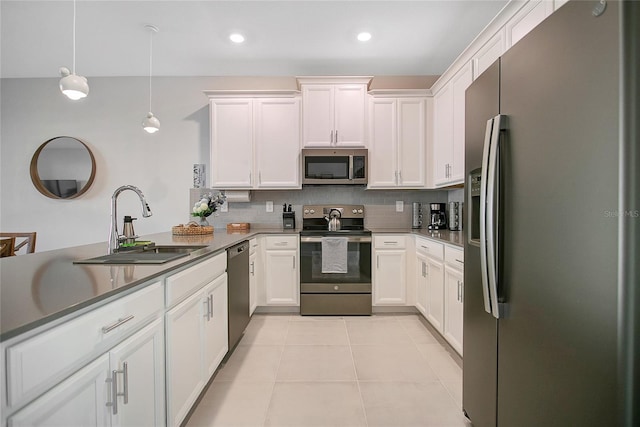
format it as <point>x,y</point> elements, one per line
<point>109,122</point>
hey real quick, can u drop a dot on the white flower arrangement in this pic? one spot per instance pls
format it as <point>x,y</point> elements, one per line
<point>207,205</point>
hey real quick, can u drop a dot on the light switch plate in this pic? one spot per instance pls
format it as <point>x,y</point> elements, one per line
<point>269,206</point>
<point>399,206</point>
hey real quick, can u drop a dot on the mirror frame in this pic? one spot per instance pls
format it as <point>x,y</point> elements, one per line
<point>37,182</point>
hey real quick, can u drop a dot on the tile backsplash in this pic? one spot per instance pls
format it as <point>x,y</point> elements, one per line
<point>380,205</point>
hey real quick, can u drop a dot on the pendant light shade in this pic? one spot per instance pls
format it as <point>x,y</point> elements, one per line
<point>151,123</point>
<point>72,85</point>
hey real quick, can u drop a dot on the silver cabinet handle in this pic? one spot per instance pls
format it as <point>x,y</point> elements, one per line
<point>122,321</point>
<point>294,262</point>
<point>210,306</point>
<point>390,243</point>
<point>114,392</point>
<point>460,261</point>
<point>424,269</point>
<point>249,177</point>
<point>207,313</point>
<point>336,136</point>
<point>424,247</point>
<point>259,177</point>
<point>280,244</point>
<point>399,177</point>
<point>458,290</point>
<point>378,261</point>
<point>125,377</point>
<point>253,268</point>
<point>331,137</point>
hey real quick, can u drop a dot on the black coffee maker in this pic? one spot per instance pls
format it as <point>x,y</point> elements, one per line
<point>437,216</point>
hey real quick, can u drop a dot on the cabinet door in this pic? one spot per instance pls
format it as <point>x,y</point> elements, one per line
<point>527,18</point>
<point>389,283</point>
<point>383,164</point>
<point>460,83</point>
<point>489,53</point>
<point>216,334</point>
<point>453,315</point>
<point>277,143</point>
<point>139,362</point>
<point>281,277</point>
<point>443,134</point>
<point>231,143</point>
<point>317,115</point>
<point>78,401</point>
<point>421,283</point>
<point>184,356</point>
<point>349,110</point>
<point>435,299</point>
<point>253,283</point>
<point>411,142</point>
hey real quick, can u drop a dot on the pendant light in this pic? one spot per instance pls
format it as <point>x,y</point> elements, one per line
<point>73,86</point>
<point>151,123</point>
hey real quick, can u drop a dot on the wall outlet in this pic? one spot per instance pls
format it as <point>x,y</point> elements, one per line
<point>269,206</point>
<point>399,206</point>
<point>224,207</point>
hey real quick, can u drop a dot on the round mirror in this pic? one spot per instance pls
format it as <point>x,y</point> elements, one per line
<point>63,168</point>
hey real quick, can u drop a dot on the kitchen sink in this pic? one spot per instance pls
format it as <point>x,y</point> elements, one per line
<point>144,255</point>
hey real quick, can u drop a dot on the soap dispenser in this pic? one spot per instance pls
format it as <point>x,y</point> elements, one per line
<point>127,230</point>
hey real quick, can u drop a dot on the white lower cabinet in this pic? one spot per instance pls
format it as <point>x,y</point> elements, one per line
<point>281,278</point>
<point>421,283</point>
<point>453,293</point>
<point>197,340</point>
<point>253,275</point>
<point>435,293</point>
<point>91,396</point>
<point>78,401</point>
<point>389,270</point>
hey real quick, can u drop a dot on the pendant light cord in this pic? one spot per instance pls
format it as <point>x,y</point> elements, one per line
<point>74,36</point>
<point>150,63</point>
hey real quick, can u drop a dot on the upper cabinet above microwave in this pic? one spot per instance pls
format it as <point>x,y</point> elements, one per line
<point>334,111</point>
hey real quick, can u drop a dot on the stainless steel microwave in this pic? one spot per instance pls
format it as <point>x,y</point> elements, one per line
<point>334,166</point>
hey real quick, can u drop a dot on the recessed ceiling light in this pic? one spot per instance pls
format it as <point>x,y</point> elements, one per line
<point>236,38</point>
<point>364,36</point>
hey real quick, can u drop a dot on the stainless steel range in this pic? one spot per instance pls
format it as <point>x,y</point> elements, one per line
<point>335,261</point>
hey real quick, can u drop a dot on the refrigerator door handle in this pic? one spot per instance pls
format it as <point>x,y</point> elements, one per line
<point>483,216</point>
<point>492,213</point>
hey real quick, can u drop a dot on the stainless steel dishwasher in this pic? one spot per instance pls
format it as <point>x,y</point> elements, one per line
<point>238,272</point>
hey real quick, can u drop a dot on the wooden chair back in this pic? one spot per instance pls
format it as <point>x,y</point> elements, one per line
<point>20,240</point>
<point>6,246</point>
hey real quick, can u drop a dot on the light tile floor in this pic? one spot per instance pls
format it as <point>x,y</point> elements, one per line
<point>288,370</point>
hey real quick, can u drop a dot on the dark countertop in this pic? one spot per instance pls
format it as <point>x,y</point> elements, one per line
<point>38,288</point>
<point>454,238</point>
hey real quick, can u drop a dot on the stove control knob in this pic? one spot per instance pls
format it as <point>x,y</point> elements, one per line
<point>335,288</point>
<point>360,211</point>
<point>355,211</point>
<point>312,211</point>
<point>306,211</point>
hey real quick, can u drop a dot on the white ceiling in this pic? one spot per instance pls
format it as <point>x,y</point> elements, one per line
<point>283,38</point>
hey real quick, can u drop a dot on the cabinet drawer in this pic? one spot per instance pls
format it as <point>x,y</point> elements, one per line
<point>281,242</point>
<point>454,256</point>
<point>45,359</point>
<point>430,248</point>
<point>389,241</point>
<point>253,245</point>
<point>186,282</point>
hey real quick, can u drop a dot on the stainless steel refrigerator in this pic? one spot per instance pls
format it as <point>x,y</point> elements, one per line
<point>551,240</point>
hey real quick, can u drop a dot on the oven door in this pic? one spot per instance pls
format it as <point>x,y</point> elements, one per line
<point>357,278</point>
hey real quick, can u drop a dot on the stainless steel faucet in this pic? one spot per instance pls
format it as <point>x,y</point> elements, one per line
<point>114,237</point>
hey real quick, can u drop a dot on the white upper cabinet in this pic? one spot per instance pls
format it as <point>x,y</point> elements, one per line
<point>255,140</point>
<point>277,142</point>
<point>489,53</point>
<point>231,142</point>
<point>334,111</point>
<point>448,137</point>
<point>526,19</point>
<point>397,142</point>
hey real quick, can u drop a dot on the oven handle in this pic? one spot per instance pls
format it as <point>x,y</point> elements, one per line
<point>318,239</point>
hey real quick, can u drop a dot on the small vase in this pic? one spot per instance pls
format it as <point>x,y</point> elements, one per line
<point>203,221</point>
